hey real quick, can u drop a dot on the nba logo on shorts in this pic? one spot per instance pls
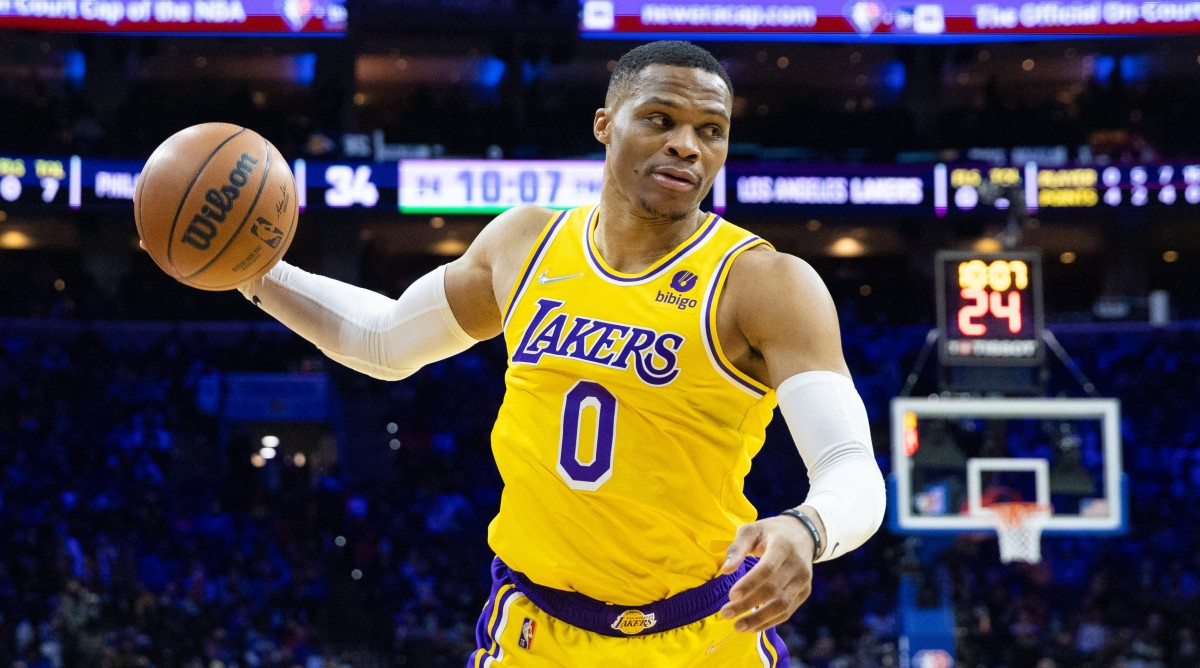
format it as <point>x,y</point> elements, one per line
<point>526,641</point>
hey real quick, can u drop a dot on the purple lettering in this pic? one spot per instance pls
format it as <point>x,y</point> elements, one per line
<point>640,340</point>
<point>655,375</point>
<point>526,353</point>
<point>600,352</point>
<point>573,344</point>
<point>551,332</point>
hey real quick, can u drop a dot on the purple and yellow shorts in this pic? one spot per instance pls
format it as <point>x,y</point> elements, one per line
<point>531,626</point>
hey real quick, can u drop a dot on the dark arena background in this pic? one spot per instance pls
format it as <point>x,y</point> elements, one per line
<point>1002,198</point>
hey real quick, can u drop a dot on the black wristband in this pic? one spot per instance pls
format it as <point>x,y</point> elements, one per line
<point>808,524</point>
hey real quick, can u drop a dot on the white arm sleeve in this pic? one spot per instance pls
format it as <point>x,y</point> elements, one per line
<point>381,337</point>
<point>829,423</point>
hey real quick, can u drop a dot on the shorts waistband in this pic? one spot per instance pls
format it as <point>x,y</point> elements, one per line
<point>622,621</point>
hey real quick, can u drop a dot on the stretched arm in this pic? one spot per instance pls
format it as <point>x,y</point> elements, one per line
<point>794,345</point>
<point>441,314</point>
<point>381,337</point>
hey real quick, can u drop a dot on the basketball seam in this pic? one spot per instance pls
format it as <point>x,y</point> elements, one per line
<point>183,200</point>
<point>282,247</point>
<point>258,195</point>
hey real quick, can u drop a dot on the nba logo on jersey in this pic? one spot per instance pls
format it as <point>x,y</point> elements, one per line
<point>526,641</point>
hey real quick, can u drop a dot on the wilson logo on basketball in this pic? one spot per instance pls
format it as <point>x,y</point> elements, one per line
<point>633,622</point>
<point>203,228</point>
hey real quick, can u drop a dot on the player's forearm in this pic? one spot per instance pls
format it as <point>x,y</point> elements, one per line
<point>381,337</point>
<point>829,423</point>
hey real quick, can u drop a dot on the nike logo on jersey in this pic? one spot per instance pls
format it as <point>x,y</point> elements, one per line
<point>543,279</point>
<point>713,647</point>
<point>653,355</point>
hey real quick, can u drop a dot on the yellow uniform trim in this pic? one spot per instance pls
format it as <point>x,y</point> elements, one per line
<point>712,303</point>
<point>710,221</point>
<point>531,261</point>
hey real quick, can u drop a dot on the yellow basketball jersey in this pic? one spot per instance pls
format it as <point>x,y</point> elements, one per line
<point>625,434</point>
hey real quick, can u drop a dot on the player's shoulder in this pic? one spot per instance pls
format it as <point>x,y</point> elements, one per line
<point>762,266</point>
<point>524,219</point>
<point>763,281</point>
<point>512,232</point>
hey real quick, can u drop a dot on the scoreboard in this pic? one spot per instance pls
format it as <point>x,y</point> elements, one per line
<point>46,184</point>
<point>34,181</point>
<point>491,186</point>
<point>989,308</point>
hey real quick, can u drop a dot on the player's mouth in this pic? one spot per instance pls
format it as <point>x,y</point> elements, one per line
<point>674,179</point>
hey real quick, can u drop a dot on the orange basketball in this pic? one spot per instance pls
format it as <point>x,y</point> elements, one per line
<point>216,206</point>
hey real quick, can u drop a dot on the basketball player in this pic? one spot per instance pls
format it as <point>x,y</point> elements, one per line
<point>649,343</point>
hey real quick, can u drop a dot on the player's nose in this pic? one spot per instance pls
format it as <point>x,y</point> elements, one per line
<point>683,142</point>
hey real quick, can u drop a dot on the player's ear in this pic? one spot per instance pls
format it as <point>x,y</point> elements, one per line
<point>600,125</point>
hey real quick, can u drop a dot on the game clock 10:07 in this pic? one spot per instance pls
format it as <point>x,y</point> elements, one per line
<point>989,308</point>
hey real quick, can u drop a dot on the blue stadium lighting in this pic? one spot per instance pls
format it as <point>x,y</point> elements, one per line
<point>305,68</point>
<point>74,68</point>
<point>894,75</point>
<point>490,72</point>
<point>1135,68</point>
<point>1102,68</point>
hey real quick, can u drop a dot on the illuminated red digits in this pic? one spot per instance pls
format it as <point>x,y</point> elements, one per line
<point>966,314</point>
<point>1011,310</point>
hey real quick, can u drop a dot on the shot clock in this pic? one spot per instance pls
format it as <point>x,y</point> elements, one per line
<point>989,308</point>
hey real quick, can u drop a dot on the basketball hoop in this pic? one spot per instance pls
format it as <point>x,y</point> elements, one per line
<point>1020,529</point>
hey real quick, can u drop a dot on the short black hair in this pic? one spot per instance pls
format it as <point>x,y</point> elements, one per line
<point>674,53</point>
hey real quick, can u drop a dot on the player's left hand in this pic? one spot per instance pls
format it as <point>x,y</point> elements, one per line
<point>779,582</point>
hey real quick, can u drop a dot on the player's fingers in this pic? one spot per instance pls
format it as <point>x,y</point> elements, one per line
<point>744,543</point>
<point>779,575</point>
<point>777,606</point>
<point>762,582</point>
<point>772,613</point>
<point>141,244</point>
<point>756,586</point>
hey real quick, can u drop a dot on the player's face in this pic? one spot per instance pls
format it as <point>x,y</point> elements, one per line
<point>666,139</point>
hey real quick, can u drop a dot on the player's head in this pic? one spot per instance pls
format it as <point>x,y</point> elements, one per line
<point>665,125</point>
<point>673,53</point>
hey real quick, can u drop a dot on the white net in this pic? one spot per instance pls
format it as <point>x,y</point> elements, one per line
<point>1019,527</point>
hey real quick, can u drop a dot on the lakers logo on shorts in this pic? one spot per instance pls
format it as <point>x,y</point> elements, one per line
<point>633,622</point>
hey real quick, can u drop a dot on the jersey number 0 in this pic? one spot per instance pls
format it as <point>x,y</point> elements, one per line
<point>589,475</point>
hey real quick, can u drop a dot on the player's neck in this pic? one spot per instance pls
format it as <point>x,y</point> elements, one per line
<point>630,244</point>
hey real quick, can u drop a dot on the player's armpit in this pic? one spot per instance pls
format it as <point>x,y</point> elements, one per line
<point>782,311</point>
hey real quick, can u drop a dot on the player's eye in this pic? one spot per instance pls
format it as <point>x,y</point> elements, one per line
<point>659,119</point>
